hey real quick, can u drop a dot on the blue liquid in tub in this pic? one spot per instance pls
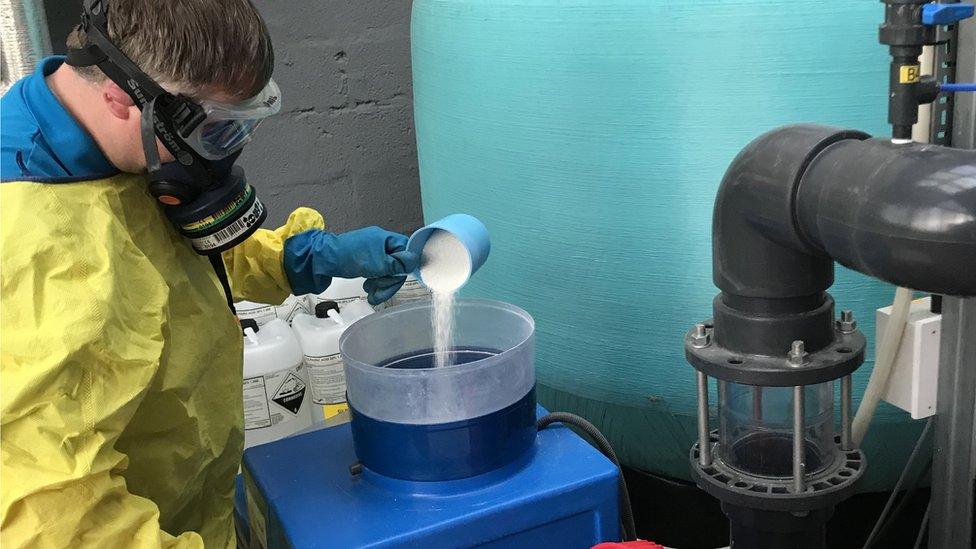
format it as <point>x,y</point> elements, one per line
<point>425,358</point>
<point>444,451</point>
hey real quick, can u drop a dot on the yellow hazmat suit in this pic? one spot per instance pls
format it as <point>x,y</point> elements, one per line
<point>121,368</point>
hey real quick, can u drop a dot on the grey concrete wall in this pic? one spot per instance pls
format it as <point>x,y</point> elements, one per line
<point>344,142</point>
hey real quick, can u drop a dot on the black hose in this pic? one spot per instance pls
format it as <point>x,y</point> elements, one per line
<point>879,525</point>
<point>627,526</point>
<point>923,527</point>
<point>883,518</point>
<point>906,499</point>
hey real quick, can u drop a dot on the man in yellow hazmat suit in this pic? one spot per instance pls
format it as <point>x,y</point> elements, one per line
<point>121,361</point>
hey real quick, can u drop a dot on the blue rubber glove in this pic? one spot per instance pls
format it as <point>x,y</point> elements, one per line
<point>312,258</point>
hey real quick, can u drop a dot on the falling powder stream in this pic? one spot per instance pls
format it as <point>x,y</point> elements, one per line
<point>443,319</point>
<point>445,267</point>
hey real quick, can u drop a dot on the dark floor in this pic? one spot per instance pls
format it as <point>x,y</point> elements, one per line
<point>678,514</point>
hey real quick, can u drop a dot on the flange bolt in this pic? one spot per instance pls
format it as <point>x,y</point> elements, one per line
<point>846,324</point>
<point>798,353</point>
<point>700,337</point>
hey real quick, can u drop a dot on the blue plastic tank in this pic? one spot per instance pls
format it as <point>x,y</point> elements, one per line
<point>590,136</point>
<point>300,494</point>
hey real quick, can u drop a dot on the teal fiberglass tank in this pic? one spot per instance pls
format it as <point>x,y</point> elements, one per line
<point>590,136</point>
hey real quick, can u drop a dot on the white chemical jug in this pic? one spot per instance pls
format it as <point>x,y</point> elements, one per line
<point>411,291</point>
<point>354,310</point>
<point>318,335</point>
<point>262,313</point>
<point>341,290</point>
<point>276,393</point>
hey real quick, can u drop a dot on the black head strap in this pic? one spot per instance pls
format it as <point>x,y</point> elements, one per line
<point>153,163</point>
<point>180,115</point>
<point>101,52</point>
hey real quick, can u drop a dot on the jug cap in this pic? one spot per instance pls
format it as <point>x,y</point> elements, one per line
<point>249,323</point>
<point>322,308</point>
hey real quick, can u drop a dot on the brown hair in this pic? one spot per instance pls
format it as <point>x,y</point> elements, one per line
<point>194,46</point>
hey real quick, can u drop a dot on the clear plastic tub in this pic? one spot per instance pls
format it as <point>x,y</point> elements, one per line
<point>381,354</point>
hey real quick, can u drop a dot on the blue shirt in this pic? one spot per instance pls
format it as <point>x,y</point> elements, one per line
<point>40,140</point>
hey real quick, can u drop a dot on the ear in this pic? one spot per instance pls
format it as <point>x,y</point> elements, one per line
<point>118,102</point>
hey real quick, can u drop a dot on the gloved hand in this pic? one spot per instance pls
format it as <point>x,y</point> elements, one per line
<point>313,257</point>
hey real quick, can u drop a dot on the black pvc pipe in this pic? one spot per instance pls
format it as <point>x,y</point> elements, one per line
<point>801,197</point>
<point>776,529</point>
<point>901,213</point>
<point>756,250</point>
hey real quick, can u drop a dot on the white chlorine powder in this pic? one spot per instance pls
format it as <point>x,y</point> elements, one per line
<point>445,266</point>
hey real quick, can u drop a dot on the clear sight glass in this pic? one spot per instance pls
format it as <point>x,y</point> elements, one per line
<point>756,428</point>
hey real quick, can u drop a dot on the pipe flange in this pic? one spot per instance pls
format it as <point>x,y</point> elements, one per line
<point>823,489</point>
<point>839,358</point>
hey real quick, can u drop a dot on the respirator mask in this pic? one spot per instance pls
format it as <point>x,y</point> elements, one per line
<point>202,192</point>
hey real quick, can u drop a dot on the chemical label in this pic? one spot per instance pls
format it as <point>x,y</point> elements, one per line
<point>273,398</point>
<point>327,378</point>
<point>342,301</point>
<point>332,410</point>
<point>288,310</point>
<point>290,394</point>
<point>411,291</point>
<point>262,315</point>
<point>909,74</point>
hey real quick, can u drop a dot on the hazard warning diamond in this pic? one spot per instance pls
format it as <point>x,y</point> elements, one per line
<point>290,393</point>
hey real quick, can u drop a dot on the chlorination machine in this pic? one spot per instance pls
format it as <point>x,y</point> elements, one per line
<point>434,457</point>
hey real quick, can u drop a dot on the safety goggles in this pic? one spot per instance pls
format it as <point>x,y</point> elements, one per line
<point>226,127</point>
<point>210,129</point>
